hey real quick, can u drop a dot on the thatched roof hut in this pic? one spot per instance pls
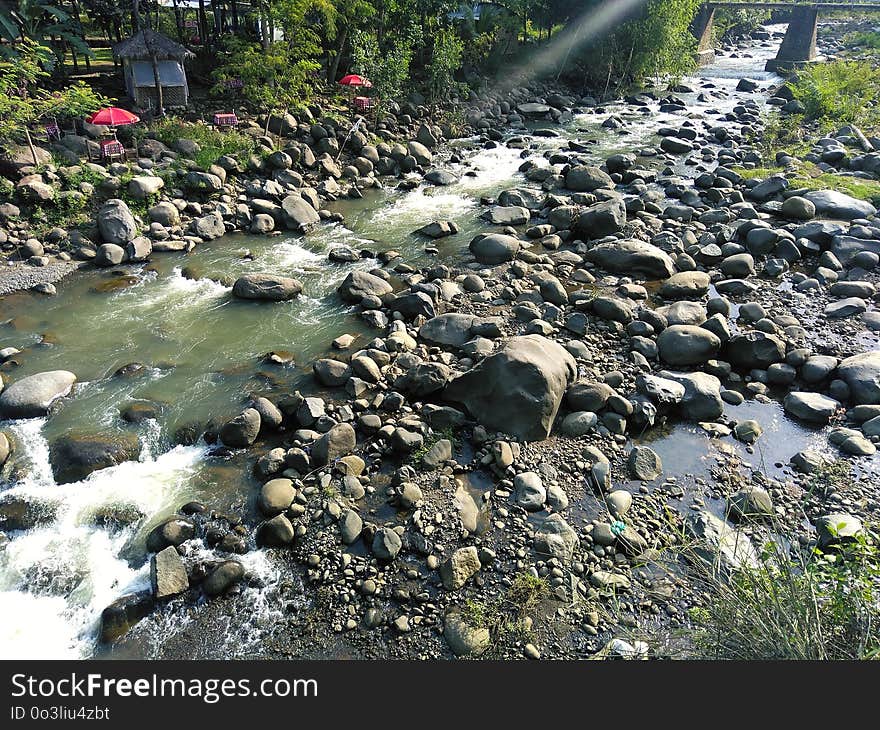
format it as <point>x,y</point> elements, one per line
<point>138,55</point>
<point>147,43</point>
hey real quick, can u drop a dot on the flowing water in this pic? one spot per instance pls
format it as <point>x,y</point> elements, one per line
<point>203,353</point>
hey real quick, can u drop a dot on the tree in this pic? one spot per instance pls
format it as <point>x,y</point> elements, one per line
<point>24,102</point>
<point>45,23</point>
<point>387,68</point>
<point>445,60</point>
<point>348,15</point>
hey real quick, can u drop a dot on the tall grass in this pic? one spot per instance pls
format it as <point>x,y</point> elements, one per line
<point>839,92</point>
<point>798,605</point>
<point>214,143</point>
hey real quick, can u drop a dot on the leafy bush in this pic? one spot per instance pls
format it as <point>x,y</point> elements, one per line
<point>839,92</point>
<point>214,143</point>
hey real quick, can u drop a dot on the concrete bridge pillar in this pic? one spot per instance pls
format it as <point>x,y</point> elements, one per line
<point>799,45</point>
<point>702,26</point>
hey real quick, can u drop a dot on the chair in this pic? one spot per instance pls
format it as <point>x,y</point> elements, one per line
<point>225,120</point>
<point>112,149</point>
<point>364,103</point>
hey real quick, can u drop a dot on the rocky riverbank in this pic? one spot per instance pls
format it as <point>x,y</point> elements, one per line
<point>480,478</point>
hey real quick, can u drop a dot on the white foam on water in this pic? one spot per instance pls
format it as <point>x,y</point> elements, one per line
<point>56,578</point>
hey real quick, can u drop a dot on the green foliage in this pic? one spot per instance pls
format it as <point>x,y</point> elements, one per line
<point>737,21</point>
<point>387,67</point>
<point>819,605</point>
<point>445,60</point>
<point>811,177</point>
<point>868,39</point>
<point>839,92</point>
<point>44,23</point>
<point>504,615</point>
<point>272,78</point>
<point>654,42</point>
<point>214,143</point>
<point>23,101</point>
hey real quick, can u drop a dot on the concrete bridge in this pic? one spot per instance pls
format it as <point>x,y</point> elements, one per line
<point>799,45</point>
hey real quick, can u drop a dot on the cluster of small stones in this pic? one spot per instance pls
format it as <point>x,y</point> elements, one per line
<point>488,431</point>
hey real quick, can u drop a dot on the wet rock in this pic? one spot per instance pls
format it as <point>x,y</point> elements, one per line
<point>298,215</point>
<point>687,345</point>
<point>276,496</point>
<point>76,455</point>
<point>750,501</point>
<point>702,397</point>
<point>331,373</point>
<point>463,638</point>
<point>168,573</point>
<point>495,248</point>
<point>860,372</point>
<point>172,531</point>
<point>529,491</point>
<point>386,544</point>
<point>350,526</point>
<point>223,577</point>
<point>644,464</point>
<point>586,179</point>
<point>555,537</point>
<point>360,284</point>
<point>619,503</point>
<point>754,349</point>
<point>578,423</point>
<point>719,545</point>
<point>798,208</point>
<point>812,407</point>
<point>339,441</point>
<point>604,219</point>
<point>241,431</point>
<point>517,390</point>
<point>501,215</point>
<point>268,287</point>
<point>19,512</point>
<point>109,254</point>
<point>116,224</point>
<point>438,229</point>
<point>276,532</point>
<point>685,285</point>
<point>123,613</point>
<point>748,431</point>
<point>458,569</point>
<point>632,257</point>
<point>32,396</point>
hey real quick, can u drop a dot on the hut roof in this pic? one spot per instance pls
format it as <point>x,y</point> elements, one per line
<point>146,43</point>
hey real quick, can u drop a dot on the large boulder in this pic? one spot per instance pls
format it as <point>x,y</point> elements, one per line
<point>754,349</point>
<point>168,573</point>
<point>116,223</point>
<point>242,430</point>
<point>144,187</point>
<point>209,227</point>
<point>862,374</point>
<point>834,204</point>
<point>720,546</point>
<point>813,407</point>
<point>602,219</point>
<point>297,214</point>
<point>518,389</point>
<point>451,329</point>
<point>359,284</point>
<point>702,395</point>
<point>76,455</point>
<point>506,215</point>
<point>339,441</point>
<point>33,395</point>
<point>632,257</point>
<point>586,179</point>
<point>556,538</point>
<point>267,287</point>
<point>494,249</point>
<point>687,344</point>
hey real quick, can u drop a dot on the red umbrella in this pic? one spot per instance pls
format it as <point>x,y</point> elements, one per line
<point>113,116</point>
<point>355,80</point>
